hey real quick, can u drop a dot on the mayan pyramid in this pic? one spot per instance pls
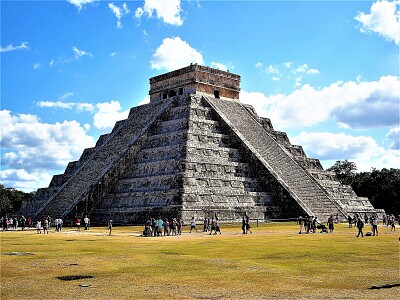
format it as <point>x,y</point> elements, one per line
<point>194,150</point>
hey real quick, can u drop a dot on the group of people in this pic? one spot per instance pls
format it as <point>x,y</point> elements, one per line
<point>311,224</point>
<point>173,226</point>
<point>11,223</point>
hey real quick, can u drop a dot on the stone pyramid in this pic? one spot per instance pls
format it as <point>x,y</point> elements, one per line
<point>194,150</point>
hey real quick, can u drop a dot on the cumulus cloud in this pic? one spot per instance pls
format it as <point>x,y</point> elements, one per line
<point>29,144</point>
<point>363,150</point>
<point>383,19</point>
<point>36,66</point>
<point>10,47</point>
<point>394,136</point>
<point>24,180</point>
<point>107,114</point>
<point>325,145</point>
<point>119,12</point>
<point>174,53</point>
<point>221,66</point>
<point>169,11</point>
<point>79,53</point>
<point>358,105</point>
<point>80,3</point>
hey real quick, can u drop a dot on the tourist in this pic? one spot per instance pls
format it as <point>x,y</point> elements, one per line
<point>212,226</point>
<point>166,226</point>
<point>39,227</point>
<point>350,221</point>
<point>337,218</point>
<point>217,227</point>
<point>46,226</point>
<point>159,226</point>
<point>314,224</point>
<point>360,225</point>
<point>374,223</point>
<point>5,223</point>
<point>193,225</point>
<point>86,222</point>
<point>172,227</point>
<point>205,225</point>
<point>109,227</point>
<point>22,221</point>
<point>330,224</point>
<point>244,225</point>
<point>153,226</point>
<point>179,225</point>
<point>393,221</point>
<point>301,223</point>
<point>247,225</point>
<point>30,222</point>
<point>306,227</point>
<point>147,228</point>
<point>78,224</point>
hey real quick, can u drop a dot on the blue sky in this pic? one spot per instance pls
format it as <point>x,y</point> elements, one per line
<point>325,72</point>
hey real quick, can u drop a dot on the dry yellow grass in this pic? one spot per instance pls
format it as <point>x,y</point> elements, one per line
<point>272,263</point>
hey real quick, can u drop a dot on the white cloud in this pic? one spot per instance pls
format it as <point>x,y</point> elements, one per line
<point>119,12</point>
<point>113,54</point>
<point>80,3</point>
<point>24,180</point>
<point>259,65</point>
<point>29,144</point>
<point>173,54</point>
<point>394,136</point>
<point>169,11</point>
<point>287,64</point>
<point>354,105</point>
<point>384,19</point>
<point>219,66</point>
<point>10,47</point>
<point>305,69</point>
<point>107,114</point>
<point>37,66</point>
<point>79,53</point>
<point>145,100</point>
<point>363,150</point>
<point>65,96</point>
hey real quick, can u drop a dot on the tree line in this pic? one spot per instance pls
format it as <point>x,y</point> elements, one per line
<point>382,187</point>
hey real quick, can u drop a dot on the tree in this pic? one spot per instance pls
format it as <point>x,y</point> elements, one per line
<point>11,199</point>
<point>344,170</point>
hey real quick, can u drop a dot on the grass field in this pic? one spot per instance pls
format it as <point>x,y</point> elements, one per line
<point>274,262</point>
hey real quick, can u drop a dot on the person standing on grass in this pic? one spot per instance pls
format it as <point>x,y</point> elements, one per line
<point>350,221</point>
<point>360,225</point>
<point>46,226</point>
<point>374,223</point>
<point>193,225</point>
<point>109,227</point>
<point>330,224</point>
<point>244,225</point>
<point>86,221</point>
<point>247,225</point>
<point>301,223</point>
<point>393,221</point>
<point>159,226</point>
<point>166,225</point>
<point>39,227</point>
<point>78,224</point>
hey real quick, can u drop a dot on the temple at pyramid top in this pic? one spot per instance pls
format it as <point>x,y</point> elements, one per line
<point>195,79</point>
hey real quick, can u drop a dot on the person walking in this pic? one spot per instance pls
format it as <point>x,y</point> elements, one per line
<point>248,225</point>
<point>193,225</point>
<point>244,225</point>
<point>360,226</point>
<point>109,227</point>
